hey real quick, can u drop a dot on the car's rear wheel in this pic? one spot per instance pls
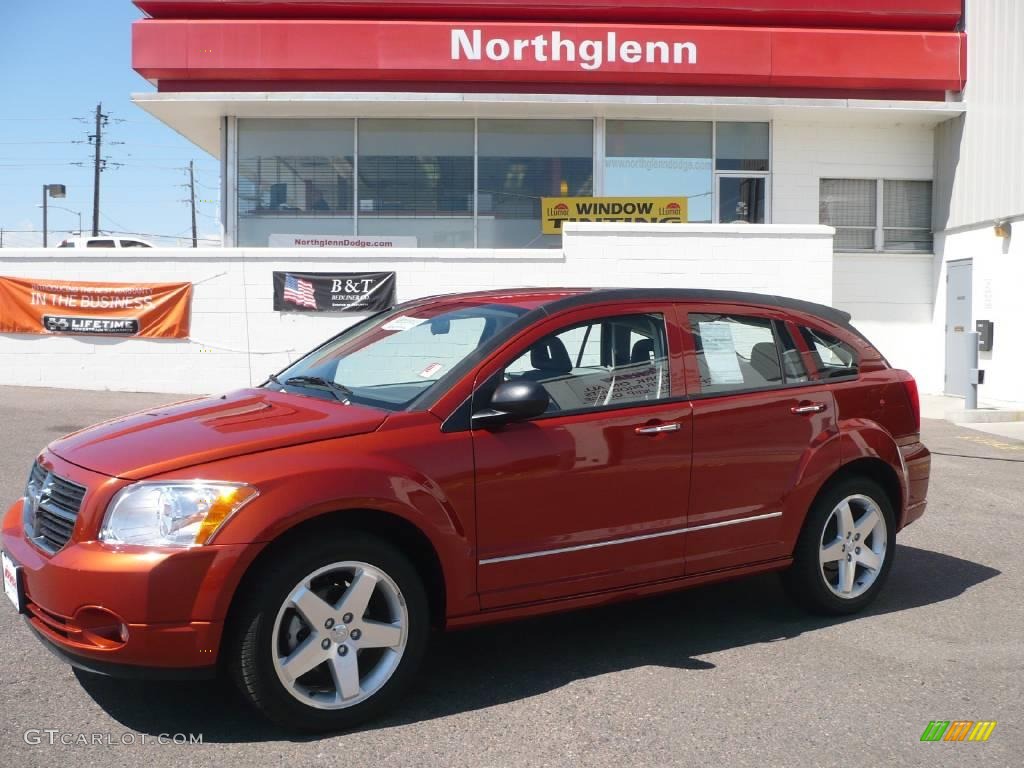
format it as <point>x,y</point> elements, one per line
<point>845,550</point>
<point>330,632</point>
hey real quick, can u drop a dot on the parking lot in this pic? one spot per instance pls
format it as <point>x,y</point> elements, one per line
<point>725,675</point>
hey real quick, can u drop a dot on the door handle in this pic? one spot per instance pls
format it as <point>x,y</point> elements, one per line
<point>809,408</point>
<point>657,429</point>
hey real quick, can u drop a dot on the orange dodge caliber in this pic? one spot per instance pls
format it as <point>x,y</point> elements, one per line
<point>466,459</point>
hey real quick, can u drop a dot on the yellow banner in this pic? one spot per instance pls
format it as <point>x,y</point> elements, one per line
<point>555,211</point>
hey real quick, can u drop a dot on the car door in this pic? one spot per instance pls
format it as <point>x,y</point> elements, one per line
<point>757,416</point>
<point>591,495</point>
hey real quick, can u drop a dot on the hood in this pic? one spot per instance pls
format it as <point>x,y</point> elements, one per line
<point>199,431</point>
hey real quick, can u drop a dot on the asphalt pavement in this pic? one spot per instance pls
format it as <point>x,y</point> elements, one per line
<point>727,675</point>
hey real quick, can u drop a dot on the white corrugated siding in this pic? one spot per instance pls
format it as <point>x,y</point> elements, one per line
<point>988,180</point>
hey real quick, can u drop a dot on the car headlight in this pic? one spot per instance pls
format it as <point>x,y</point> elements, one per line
<point>183,514</point>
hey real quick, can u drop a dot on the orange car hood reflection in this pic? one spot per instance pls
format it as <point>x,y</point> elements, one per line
<point>199,431</point>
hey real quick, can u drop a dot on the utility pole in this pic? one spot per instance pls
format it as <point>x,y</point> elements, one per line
<point>192,200</point>
<point>97,140</point>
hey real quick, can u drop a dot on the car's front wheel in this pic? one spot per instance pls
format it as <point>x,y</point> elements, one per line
<point>330,632</point>
<point>845,550</point>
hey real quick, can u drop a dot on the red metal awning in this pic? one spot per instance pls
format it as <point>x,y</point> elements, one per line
<point>454,55</point>
<point>933,15</point>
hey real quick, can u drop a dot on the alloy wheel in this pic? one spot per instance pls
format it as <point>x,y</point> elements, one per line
<point>340,635</point>
<point>853,546</point>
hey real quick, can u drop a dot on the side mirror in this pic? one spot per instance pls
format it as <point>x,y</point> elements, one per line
<point>514,401</point>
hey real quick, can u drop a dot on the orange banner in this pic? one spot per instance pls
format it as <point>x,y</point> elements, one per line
<point>82,308</point>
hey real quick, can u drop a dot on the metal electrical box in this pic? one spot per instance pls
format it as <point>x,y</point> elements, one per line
<point>985,329</point>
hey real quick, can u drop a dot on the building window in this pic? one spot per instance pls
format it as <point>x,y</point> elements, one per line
<point>294,177</point>
<point>416,180</point>
<point>907,215</point>
<point>451,183</point>
<point>877,215</point>
<point>521,161</point>
<point>742,199</point>
<point>651,158</point>
<point>741,147</point>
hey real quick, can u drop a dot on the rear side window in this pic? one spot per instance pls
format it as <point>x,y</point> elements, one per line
<point>100,244</point>
<point>735,352</point>
<point>834,359</point>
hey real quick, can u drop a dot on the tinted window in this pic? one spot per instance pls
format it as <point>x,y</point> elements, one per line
<point>133,244</point>
<point>610,361</point>
<point>833,358</point>
<point>100,244</point>
<point>295,176</point>
<point>522,161</point>
<point>416,179</point>
<point>735,352</point>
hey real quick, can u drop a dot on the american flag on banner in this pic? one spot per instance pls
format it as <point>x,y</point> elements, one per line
<point>299,292</point>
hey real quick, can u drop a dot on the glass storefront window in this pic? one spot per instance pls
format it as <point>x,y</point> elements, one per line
<point>741,199</point>
<point>650,158</point>
<point>741,147</point>
<point>522,161</point>
<point>294,177</point>
<point>416,179</point>
<point>413,180</point>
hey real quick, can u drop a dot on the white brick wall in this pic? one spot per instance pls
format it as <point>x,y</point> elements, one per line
<point>804,153</point>
<point>237,337</point>
<point>891,296</point>
<point>891,299</point>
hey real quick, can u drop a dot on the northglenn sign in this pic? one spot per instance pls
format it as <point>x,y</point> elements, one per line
<point>283,55</point>
<point>589,53</point>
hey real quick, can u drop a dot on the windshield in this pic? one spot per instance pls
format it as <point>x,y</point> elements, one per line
<point>395,358</point>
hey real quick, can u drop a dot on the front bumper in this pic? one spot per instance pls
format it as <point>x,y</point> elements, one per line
<point>103,608</point>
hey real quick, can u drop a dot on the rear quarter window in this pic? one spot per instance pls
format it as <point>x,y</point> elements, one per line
<point>832,357</point>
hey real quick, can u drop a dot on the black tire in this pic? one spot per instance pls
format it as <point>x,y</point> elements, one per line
<point>250,643</point>
<point>805,581</point>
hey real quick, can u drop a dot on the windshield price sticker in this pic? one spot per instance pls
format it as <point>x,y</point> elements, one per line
<point>402,323</point>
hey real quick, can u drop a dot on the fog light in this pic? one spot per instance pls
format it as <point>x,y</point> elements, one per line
<point>101,627</point>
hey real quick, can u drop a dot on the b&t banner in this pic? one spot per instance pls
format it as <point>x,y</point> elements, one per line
<point>333,291</point>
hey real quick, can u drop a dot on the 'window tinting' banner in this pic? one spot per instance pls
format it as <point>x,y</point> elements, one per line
<point>650,210</point>
<point>333,291</point>
<point>80,308</point>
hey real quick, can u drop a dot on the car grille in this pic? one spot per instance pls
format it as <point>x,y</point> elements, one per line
<point>55,508</point>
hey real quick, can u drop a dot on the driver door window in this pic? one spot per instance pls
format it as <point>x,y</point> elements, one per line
<point>598,364</point>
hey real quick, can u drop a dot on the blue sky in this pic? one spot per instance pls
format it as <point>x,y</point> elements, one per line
<point>59,59</point>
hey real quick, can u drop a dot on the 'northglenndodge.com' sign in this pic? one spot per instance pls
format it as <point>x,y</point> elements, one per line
<point>590,54</point>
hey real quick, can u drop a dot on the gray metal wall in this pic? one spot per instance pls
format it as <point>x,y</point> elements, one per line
<point>979,163</point>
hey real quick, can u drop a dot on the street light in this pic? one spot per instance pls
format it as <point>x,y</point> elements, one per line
<point>77,213</point>
<point>54,191</point>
